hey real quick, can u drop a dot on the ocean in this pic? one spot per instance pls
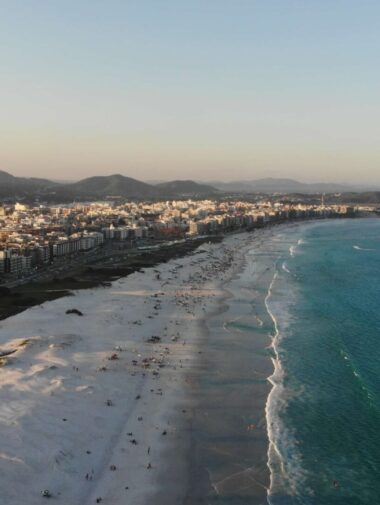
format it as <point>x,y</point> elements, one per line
<point>324,409</point>
<point>287,403</point>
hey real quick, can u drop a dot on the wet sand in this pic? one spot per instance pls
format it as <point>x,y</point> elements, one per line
<point>220,453</point>
<point>229,437</point>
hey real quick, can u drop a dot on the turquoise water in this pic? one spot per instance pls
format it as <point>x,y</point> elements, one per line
<point>324,409</point>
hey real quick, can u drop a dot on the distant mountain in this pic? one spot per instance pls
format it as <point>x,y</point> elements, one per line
<point>98,187</point>
<point>10,180</point>
<point>185,188</point>
<point>101,187</point>
<point>11,186</point>
<point>111,185</point>
<point>272,185</point>
<point>126,187</point>
<point>6,178</point>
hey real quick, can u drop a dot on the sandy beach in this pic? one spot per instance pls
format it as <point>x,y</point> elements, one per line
<point>93,406</point>
<point>229,448</point>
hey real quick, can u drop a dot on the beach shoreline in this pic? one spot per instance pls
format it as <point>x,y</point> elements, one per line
<point>75,386</point>
<point>201,485</point>
<point>115,396</point>
<point>19,295</point>
<point>242,472</point>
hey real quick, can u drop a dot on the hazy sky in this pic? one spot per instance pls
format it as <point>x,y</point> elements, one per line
<point>206,89</point>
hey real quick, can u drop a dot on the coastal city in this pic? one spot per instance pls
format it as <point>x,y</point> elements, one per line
<point>189,252</point>
<point>33,238</point>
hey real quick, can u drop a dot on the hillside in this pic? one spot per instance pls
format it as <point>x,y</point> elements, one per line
<point>11,186</point>
<point>111,185</point>
<point>273,185</point>
<point>117,185</point>
<point>185,188</point>
<point>97,187</point>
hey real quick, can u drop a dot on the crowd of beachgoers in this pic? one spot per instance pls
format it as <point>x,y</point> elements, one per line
<point>90,383</point>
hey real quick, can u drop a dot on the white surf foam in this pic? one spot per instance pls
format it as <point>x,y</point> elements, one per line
<point>358,248</point>
<point>285,267</point>
<point>285,474</point>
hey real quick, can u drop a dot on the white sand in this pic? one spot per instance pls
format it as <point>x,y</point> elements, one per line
<point>57,431</point>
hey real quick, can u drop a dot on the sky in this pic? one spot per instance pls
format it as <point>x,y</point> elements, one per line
<point>200,89</point>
